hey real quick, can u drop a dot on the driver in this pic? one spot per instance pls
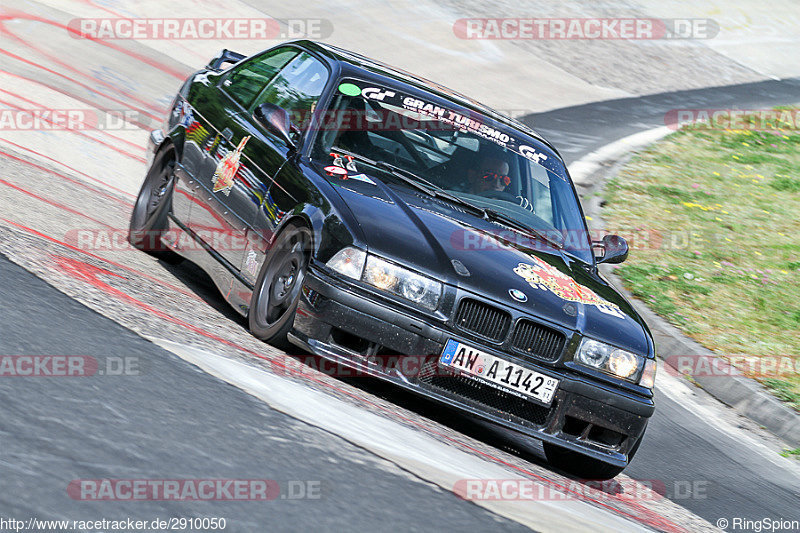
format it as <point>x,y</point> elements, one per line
<point>491,174</point>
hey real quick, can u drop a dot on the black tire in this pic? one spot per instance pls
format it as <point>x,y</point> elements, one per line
<point>582,466</point>
<point>278,286</point>
<point>149,216</point>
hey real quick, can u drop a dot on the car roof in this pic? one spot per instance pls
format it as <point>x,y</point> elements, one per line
<point>371,68</point>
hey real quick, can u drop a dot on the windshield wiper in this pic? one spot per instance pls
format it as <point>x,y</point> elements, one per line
<point>410,178</point>
<point>519,226</point>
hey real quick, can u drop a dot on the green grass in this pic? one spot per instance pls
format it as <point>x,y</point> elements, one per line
<point>791,453</point>
<point>713,218</point>
<point>785,183</point>
<point>784,390</point>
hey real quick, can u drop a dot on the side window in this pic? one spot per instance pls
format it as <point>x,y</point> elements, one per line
<point>297,88</point>
<point>541,194</point>
<point>245,81</point>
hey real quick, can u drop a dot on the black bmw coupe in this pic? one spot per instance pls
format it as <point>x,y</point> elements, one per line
<point>390,224</point>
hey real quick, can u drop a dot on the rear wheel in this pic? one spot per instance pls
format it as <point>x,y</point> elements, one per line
<point>278,286</point>
<point>149,217</point>
<point>582,466</point>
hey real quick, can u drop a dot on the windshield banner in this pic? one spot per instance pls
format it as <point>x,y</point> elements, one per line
<point>473,123</point>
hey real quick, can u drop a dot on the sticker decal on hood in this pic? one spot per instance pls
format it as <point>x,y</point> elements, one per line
<point>342,165</point>
<point>546,277</point>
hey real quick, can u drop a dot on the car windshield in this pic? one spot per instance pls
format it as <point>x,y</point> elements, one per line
<point>470,156</point>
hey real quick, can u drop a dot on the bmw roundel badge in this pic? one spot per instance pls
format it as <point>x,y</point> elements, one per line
<point>518,295</point>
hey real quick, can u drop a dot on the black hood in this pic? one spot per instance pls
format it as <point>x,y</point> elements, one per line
<point>428,234</point>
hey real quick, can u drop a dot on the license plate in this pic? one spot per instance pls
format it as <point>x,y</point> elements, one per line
<point>498,372</point>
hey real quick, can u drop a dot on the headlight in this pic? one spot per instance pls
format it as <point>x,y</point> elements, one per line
<point>624,364</point>
<point>609,359</point>
<point>648,378</point>
<point>386,276</point>
<point>349,262</point>
<point>395,279</point>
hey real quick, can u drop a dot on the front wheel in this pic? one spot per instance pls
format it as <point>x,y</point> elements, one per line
<point>278,286</point>
<point>149,217</point>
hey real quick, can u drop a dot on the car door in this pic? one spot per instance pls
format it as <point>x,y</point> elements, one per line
<point>195,138</point>
<point>227,194</point>
<point>296,88</point>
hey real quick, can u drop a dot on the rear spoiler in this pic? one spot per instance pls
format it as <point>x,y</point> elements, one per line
<point>225,56</point>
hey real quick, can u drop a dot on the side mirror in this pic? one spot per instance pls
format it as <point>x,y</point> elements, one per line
<point>225,56</point>
<point>614,249</point>
<point>276,120</point>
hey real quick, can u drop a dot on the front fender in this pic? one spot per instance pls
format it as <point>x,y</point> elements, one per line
<point>328,233</point>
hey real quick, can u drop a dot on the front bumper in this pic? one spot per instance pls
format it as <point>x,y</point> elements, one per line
<point>340,322</point>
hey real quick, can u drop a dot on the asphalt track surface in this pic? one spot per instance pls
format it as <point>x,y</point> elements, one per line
<point>579,130</point>
<point>173,421</point>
